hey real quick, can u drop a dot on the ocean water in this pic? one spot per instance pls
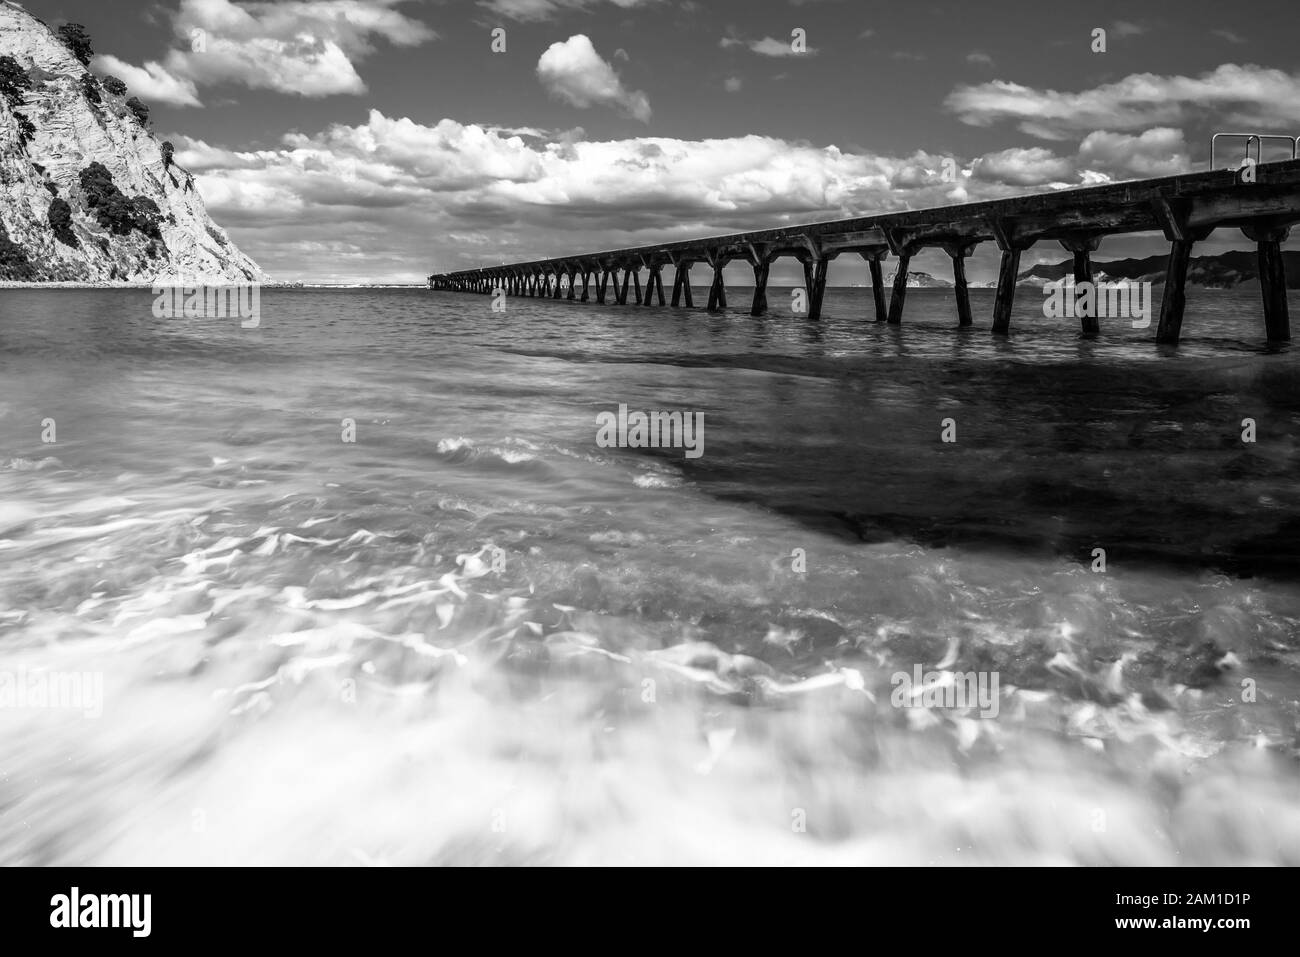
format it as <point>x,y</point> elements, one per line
<point>474,635</point>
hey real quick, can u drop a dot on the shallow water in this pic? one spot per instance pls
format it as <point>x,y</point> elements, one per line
<point>473,635</point>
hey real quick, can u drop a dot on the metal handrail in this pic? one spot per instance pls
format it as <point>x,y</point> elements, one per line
<point>1258,139</point>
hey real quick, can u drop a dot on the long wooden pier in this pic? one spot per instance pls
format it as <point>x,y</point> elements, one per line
<point>1186,209</point>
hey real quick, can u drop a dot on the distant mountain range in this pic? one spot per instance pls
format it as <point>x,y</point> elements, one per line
<point>921,280</point>
<point>1225,271</point>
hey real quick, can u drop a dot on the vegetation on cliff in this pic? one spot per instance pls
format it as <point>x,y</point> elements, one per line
<point>113,209</point>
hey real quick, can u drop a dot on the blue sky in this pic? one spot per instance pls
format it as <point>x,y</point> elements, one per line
<point>354,140</point>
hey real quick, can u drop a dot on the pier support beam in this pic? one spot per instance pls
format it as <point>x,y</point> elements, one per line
<point>620,292</point>
<point>602,284</point>
<point>759,305</point>
<point>1083,247</point>
<point>1272,278</point>
<point>814,263</point>
<point>898,295</point>
<point>760,261</point>
<point>873,258</point>
<point>572,292</point>
<point>717,291</point>
<point>901,248</point>
<point>1011,245</point>
<point>1008,271</point>
<point>958,253</point>
<point>1173,215</point>
<point>815,275</point>
<point>653,285</point>
<point>1173,299</point>
<point>682,284</point>
<point>586,280</point>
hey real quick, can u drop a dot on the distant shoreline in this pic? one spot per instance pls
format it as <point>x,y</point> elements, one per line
<point>1031,283</point>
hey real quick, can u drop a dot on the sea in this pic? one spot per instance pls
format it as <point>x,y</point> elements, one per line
<point>364,583</point>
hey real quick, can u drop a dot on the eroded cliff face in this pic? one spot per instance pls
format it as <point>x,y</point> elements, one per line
<point>138,219</point>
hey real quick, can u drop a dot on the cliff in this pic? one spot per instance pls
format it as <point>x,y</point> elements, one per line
<point>86,192</point>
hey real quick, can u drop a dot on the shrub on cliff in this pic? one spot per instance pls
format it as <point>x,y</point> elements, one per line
<point>26,130</point>
<point>139,109</point>
<point>168,151</point>
<point>76,39</point>
<point>14,81</point>
<point>147,216</point>
<point>60,217</point>
<point>113,85</point>
<point>14,263</point>
<point>114,210</point>
<point>90,89</point>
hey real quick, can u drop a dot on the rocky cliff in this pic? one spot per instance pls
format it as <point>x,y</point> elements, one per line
<point>86,191</point>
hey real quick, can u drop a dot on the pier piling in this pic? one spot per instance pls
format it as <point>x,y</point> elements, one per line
<point>1268,238</point>
<point>958,252</point>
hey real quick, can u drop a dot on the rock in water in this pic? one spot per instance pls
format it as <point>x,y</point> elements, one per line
<point>149,225</point>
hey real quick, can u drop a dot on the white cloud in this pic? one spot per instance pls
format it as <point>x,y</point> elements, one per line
<point>1156,152</point>
<point>732,84</point>
<point>535,10</point>
<point>1023,167</point>
<point>400,190</point>
<point>573,71</point>
<point>768,46</point>
<point>980,58</point>
<point>152,82</point>
<point>1248,96</point>
<point>302,48</point>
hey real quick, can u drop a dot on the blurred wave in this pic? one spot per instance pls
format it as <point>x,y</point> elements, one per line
<point>473,636</point>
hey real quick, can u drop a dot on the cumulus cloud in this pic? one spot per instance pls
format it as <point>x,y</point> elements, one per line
<point>979,58</point>
<point>399,189</point>
<point>1157,152</point>
<point>1023,167</point>
<point>573,71</point>
<point>768,46</point>
<point>1250,96</point>
<point>535,10</point>
<point>299,47</point>
<point>732,84</point>
<point>152,81</point>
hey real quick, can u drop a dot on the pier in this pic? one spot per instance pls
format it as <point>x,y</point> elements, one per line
<point>1185,209</point>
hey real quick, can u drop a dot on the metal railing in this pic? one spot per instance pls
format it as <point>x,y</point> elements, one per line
<point>1258,140</point>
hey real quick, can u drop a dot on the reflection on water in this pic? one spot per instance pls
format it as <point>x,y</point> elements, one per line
<point>474,636</point>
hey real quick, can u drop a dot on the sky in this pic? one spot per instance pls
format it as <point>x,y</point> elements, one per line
<point>384,140</point>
